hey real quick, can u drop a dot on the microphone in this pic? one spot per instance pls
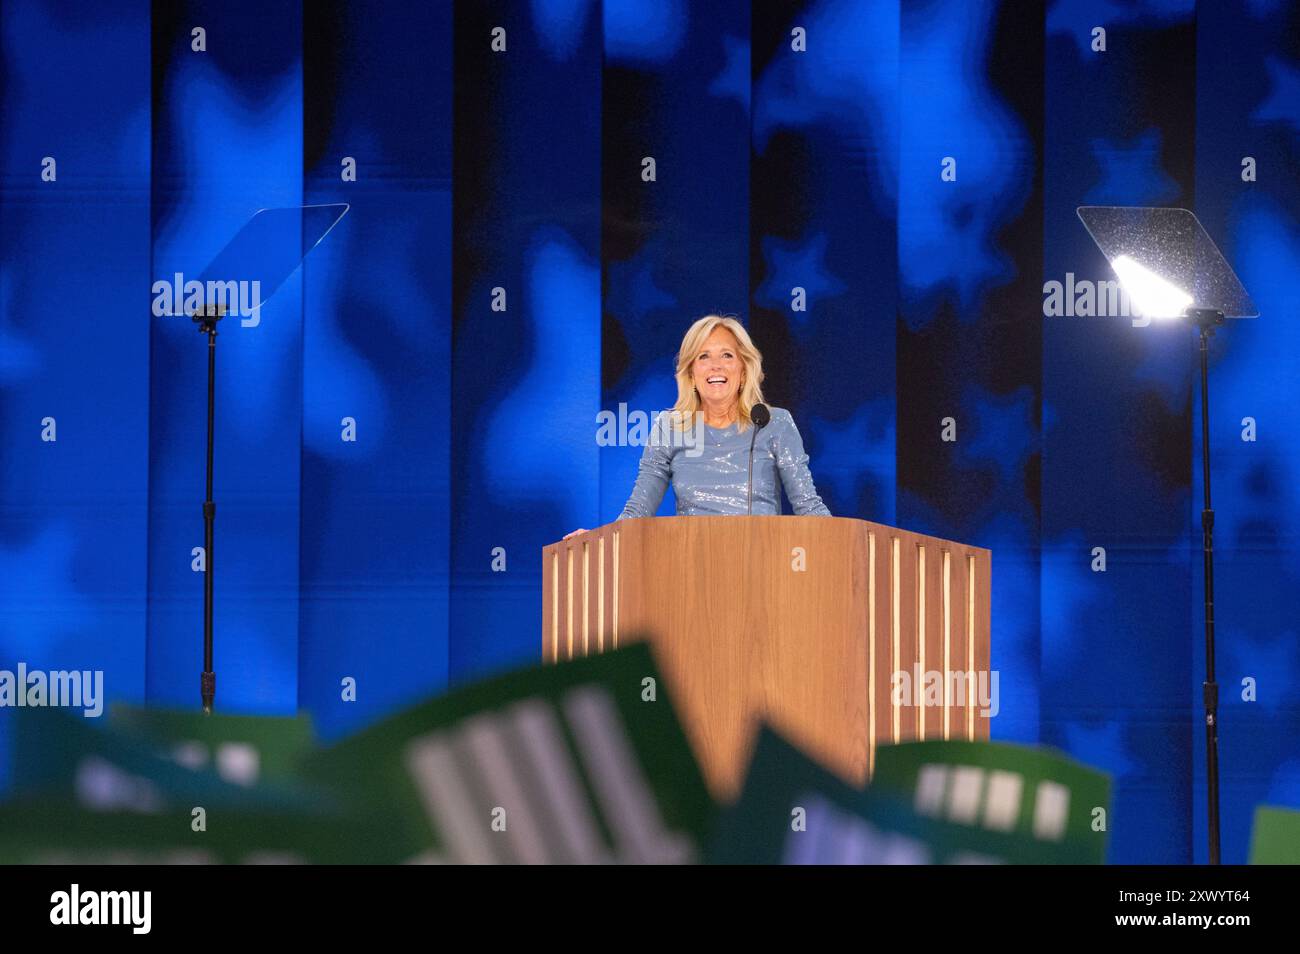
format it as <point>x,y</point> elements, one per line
<point>759,416</point>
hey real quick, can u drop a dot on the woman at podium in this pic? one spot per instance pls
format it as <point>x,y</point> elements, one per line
<point>702,444</point>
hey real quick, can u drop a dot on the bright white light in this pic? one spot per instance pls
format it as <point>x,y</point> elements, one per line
<point>1149,294</point>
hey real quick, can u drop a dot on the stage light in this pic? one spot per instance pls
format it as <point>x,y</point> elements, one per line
<point>1151,295</point>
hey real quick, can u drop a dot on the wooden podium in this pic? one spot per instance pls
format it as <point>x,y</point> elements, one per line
<point>797,621</point>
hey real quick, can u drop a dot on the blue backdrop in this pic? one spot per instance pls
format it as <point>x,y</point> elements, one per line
<point>881,191</point>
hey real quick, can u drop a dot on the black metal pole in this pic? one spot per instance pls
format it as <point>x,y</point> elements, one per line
<point>208,681</point>
<point>1206,320</point>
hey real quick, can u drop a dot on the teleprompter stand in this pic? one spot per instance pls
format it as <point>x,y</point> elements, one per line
<point>235,285</point>
<point>1172,269</point>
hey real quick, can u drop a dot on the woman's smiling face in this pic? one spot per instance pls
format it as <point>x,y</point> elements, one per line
<point>718,371</point>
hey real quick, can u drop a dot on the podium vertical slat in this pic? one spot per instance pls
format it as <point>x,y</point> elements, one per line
<point>908,656</point>
<point>879,639</point>
<point>589,569</point>
<point>602,592</point>
<point>616,597</point>
<point>566,589</point>
<point>958,654</point>
<point>894,637</point>
<point>550,605</point>
<point>981,604</point>
<point>932,716</point>
<point>921,665</point>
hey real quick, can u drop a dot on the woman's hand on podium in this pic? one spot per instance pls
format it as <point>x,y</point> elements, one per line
<point>574,533</point>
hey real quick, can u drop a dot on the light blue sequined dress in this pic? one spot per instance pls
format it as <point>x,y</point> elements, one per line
<point>712,479</point>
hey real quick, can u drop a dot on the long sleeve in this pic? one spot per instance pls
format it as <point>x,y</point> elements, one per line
<point>793,465</point>
<point>653,476</point>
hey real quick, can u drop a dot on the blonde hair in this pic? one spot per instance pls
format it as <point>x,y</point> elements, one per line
<point>688,399</point>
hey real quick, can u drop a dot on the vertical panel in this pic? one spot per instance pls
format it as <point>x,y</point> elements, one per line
<point>526,358</point>
<point>823,247</point>
<point>969,334</point>
<point>74,340</point>
<point>676,91</point>
<point>1248,196</point>
<point>377,319</point>
<point>227,140</point>
<point>1117,451</point>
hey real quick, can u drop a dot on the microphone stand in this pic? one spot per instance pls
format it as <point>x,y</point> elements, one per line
<point>752,438</point>
<point>750,489</point>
